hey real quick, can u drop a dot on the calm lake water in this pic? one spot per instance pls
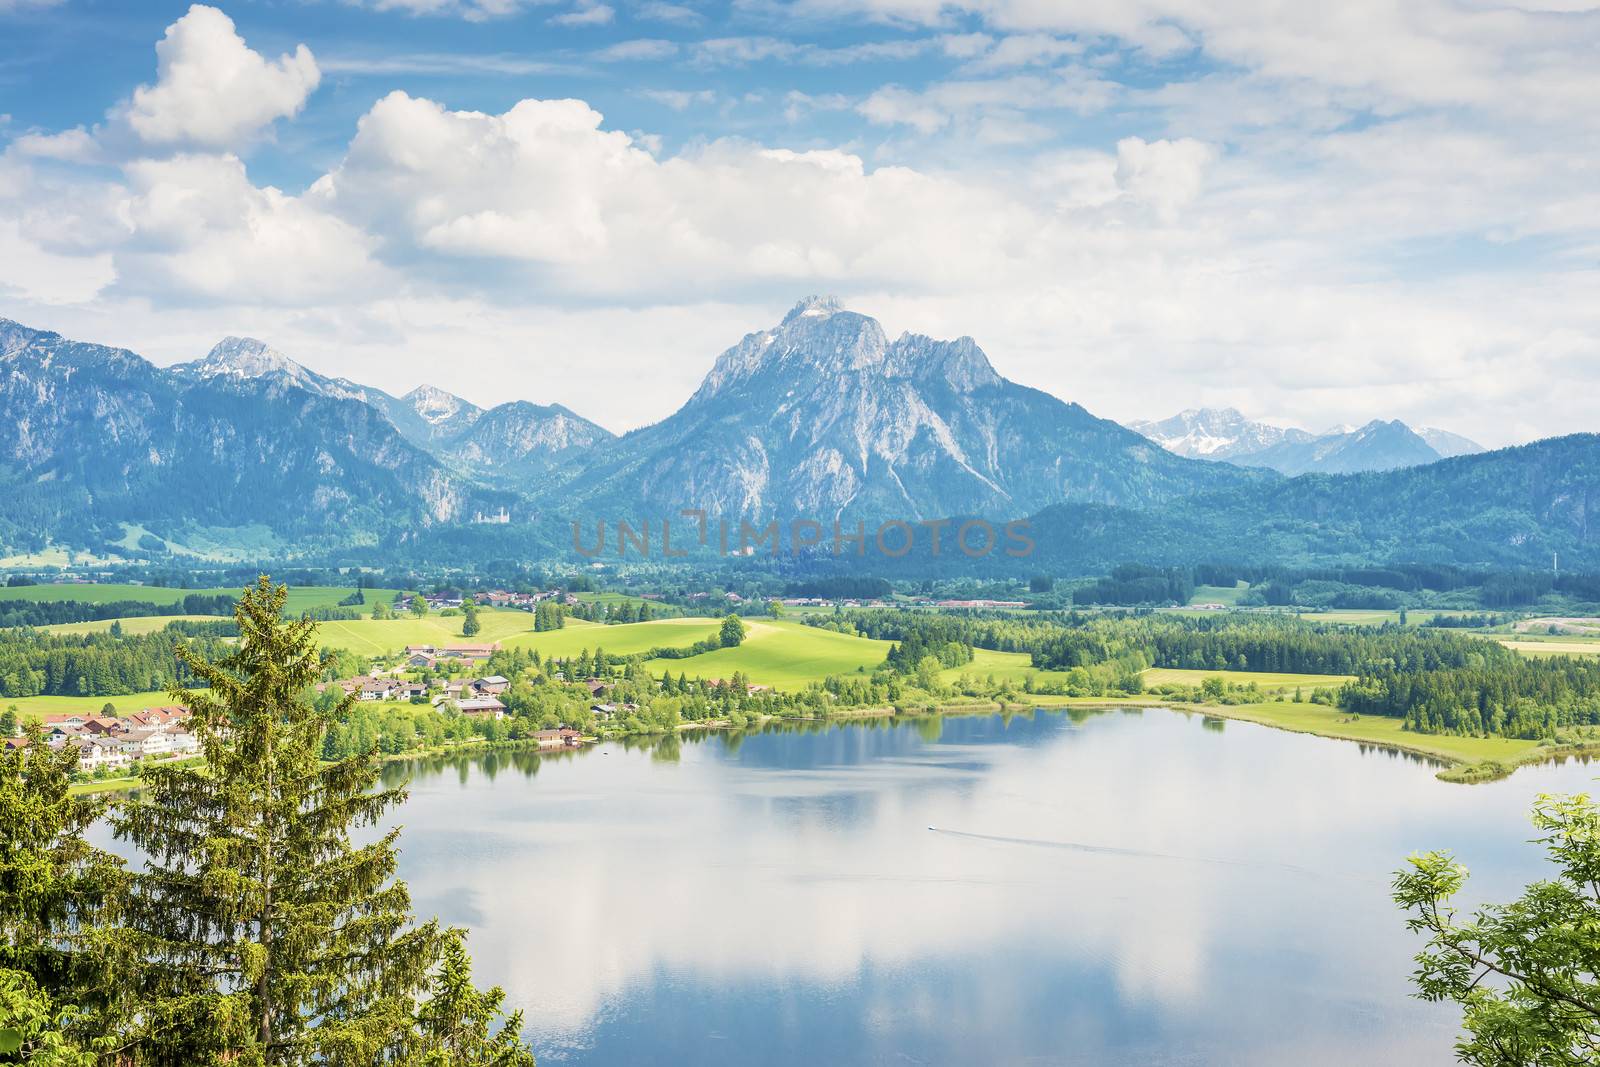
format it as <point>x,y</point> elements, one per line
<point>1114,888</point>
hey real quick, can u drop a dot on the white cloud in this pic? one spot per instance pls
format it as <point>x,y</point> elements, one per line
<point>212,90</point>
<point>664,12</point>
<point>76,145</point>
<point>1026,50</point>
<point>1239,236</point>
<point>587,13</point>
<point>1513,59</point>
<point>472,10</point>
<point>1167,175</point>
<point>645,48</point>
<point>679,99</point>
<point>200,230</point>
<point>998,100</point>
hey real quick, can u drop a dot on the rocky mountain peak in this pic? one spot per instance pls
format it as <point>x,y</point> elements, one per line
<point>245,357</point>
<point>436,405</point>
<point>814,307</point>
<point>960,364</point>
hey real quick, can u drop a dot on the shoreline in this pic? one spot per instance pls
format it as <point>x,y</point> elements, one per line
<point>1454,768</point>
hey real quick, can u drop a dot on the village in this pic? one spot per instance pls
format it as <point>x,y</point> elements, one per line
<point>112,743</point>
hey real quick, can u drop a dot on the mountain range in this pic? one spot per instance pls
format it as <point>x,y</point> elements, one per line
<point>245,453</point>
<point>1225,434</point>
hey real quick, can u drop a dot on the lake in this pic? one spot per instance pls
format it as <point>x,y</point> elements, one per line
<point>1101,888</point>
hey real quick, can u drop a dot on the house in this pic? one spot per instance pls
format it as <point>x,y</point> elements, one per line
<point>603,711</point>
<point>148,742</point>
<point>424,661</point>
<point>565,737</point>
<point>482,708</point>
<point>182,742</point>
<point>103,725</point>
<point>596,686</point>
<point>15,743</point>
<point>166,716</point>
<point>492,686</point>
<point>378,689</point>
<point>412,691</point>
<point>468,652</point>
<point>97,752</point>
<point>426,650</point>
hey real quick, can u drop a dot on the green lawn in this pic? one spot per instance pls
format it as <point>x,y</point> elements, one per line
<point>784,655</point>
<point>1268,681</point>
<point>33,707</point>
<point>301,597</point>
<point>143,624</point>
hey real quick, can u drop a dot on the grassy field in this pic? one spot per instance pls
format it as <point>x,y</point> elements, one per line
<point>142,624</point>
<point>784,655</point>
<point>34,707</point>
<point>1003,666</point>
<point>1219,594</point>
<point>513,629</point>
<point>301,597</point>
<point>376,637</point>
<point>1332,722</point>
<point>626,639</point>
<point>1551,646</point>
<point>1267,681</point>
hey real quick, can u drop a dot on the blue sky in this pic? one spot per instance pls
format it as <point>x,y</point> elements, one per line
<point>1379,210</point>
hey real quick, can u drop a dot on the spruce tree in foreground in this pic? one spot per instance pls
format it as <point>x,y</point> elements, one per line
<point>267,936</point>
<point>58,897</point>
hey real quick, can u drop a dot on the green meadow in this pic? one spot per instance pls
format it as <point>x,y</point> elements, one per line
<point>1219,594</point>
<point>784,655</point>
<point>301,597</point>
<point>34,707</point>
<point>513,629</point>
<point>623,639</point>
<point>140,624</point>
<point>1333,722</point>
<point>1157,676</point>
<point>381,636</point>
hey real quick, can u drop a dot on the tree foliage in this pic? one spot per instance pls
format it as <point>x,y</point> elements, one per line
<point>1527,973</point>
<point>266,936</point>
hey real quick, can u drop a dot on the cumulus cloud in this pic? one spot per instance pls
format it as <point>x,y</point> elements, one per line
<point>1165,174</point>
<point>212,90</point>
<point>1249,246</point>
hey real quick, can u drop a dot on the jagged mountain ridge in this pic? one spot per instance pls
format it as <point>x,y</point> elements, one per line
<point>1226,434</point>
<point>100,437</point>
<point>517,438</point>
<point>823,416</point>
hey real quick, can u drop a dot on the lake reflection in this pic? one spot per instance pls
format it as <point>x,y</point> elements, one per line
<point>1111,888</point>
